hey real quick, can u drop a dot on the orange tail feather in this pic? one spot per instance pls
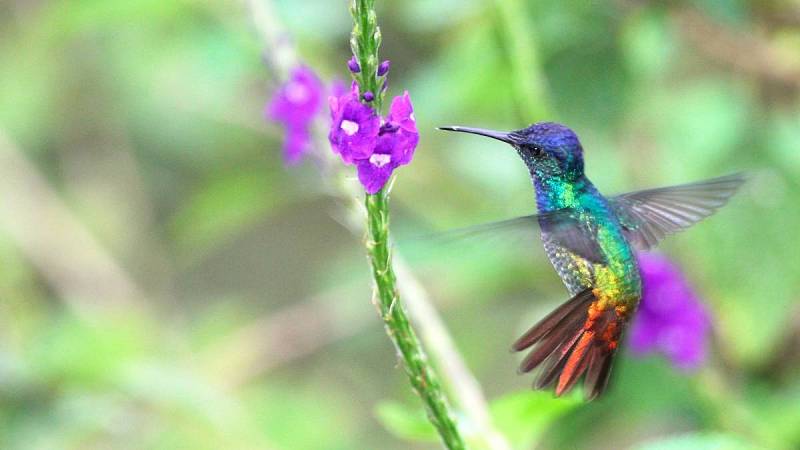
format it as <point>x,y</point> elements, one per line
<point>577,338</point>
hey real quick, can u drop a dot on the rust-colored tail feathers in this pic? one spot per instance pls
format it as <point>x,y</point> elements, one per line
<point>576,338</point>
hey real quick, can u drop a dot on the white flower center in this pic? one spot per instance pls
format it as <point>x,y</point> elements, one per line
<point>350,128</point>
<point>297,92</point>
<point>379,159</point>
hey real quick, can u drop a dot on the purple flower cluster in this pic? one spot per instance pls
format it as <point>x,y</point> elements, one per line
<point>374,144</point>
<point>294,105</point>
<point>671,319</point>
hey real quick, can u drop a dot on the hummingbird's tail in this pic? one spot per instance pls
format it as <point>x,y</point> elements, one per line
<point>577,337</point>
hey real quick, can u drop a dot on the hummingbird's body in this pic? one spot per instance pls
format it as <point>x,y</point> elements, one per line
<point>618,278</point>
<point>590,240</point>
<point>615,283</point>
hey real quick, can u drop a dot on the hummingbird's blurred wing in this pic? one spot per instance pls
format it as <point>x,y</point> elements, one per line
<point>647,216</point>
<point>563,227</point>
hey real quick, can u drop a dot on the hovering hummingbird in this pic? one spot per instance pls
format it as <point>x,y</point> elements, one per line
<point>590,240</point>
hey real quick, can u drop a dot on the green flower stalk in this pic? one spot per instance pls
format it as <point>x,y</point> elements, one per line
<point>284,61</point>
<point>376,151</point>
<point>365,42</point>
<point>420,373</point>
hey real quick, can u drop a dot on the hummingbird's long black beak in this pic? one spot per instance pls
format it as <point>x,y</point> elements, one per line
<point>508,138</point>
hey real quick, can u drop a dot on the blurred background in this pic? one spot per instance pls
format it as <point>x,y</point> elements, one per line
<point>167,283</point>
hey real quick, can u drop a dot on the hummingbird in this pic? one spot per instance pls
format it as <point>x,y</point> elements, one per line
<point>591,240</point>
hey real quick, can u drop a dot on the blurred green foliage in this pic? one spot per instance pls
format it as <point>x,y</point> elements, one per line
<point>252,326</point>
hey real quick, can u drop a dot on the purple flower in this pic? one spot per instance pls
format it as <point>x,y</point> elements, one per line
<point>354,127</point>
<point>294,105</point>
<point>297,143</point>
<point>374,172</point>
<point>402,113</point>
<point>671,319</point>
<point>383,68</point>
<point>397,141</point>
<point>297,101</point>
<point>374,144</point>
<point>338,88</point>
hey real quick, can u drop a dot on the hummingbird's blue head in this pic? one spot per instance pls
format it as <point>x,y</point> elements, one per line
<point>548,148</point>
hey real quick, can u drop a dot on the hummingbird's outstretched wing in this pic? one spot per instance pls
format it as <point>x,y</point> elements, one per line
<point>648,216</point>
<point>563,227</point>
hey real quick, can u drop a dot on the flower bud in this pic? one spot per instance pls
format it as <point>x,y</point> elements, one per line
<point>353,65</point>
<point>383,68</point>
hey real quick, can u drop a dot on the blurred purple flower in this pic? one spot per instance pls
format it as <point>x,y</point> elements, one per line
<point>294,105</point>
<point>297,144</point>
<point>338,88</point>
<point>671,319</point>
<point>354,127</point>
<point>297,101</point>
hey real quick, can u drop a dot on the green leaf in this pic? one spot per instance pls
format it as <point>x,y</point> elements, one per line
<point>405,422</point>
<point>698,441</point>
<point>524,416</point>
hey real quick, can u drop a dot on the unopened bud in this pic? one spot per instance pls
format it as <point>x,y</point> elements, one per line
<point>383,68</point>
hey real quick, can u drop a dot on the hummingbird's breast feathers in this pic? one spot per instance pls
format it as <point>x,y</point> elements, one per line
<point>613,274</point>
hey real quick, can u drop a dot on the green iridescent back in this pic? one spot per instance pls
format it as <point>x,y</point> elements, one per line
<point>617,279</point>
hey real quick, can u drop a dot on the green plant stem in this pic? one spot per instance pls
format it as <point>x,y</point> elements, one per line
<point>464,391</point>
<point>420,373</point>
<point>365,41</point>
